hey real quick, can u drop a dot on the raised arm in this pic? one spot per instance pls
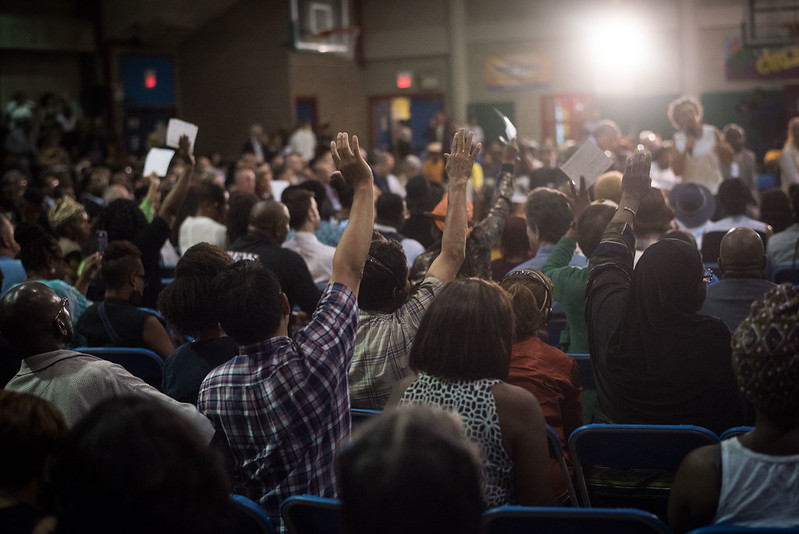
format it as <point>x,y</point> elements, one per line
<point>635,186</point>
<point>354,245</point>
<point>453,243</point>
<point>177,194</point>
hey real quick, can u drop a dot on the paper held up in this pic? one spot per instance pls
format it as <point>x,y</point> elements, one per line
<point>176,128</point>
<point>588,161</point>
<point>510,129</point>
<point>158,161</point>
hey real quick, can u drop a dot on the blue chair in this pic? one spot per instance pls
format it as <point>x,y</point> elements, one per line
<point>556,453</point>
<point>786,274</point>
<point>632,465</point>
<point>306,514</point>
<point>730,529</point>
<point>556,325</point>
<point>546,520</point>
<point>246,517</point>
<point>735,431</point>
<point>361,415</point>
<point>142,363</point>
<point>588,381</point>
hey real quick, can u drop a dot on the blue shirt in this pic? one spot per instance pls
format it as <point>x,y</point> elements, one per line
<point>13,273</point>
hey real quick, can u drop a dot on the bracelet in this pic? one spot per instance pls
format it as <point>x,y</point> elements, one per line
<point>625,208</point>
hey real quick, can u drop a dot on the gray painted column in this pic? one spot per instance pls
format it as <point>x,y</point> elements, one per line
<point>458,83</point>
<point>690,43</point>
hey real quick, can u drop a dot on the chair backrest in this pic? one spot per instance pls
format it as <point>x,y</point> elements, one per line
<point>787,274</point>
<point>142,363</point>
<point>556,325</point>
<point>361,415</point>
<point>587,379</point>
<point>306,514</point>
<point>731,529</point>
<point>556,453</point>
<point>735,431</point>
<point>245,516</point>
<point>546,520</point>
<point>632,465</point>
<point>588,382</point>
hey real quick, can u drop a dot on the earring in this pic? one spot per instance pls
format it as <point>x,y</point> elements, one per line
<point>52,270</point>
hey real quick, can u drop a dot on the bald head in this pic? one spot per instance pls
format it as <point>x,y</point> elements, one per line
<point>741,254</point>
<point>269,219</point>
<point>32,319</point>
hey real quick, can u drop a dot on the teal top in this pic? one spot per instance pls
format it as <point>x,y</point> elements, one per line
<point>569,282</point>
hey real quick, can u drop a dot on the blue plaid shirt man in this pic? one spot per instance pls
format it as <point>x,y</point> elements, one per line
<point>283,405</point>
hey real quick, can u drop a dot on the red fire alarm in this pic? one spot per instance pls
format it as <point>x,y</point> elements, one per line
<point>404,80</point>
<point>150,80</point>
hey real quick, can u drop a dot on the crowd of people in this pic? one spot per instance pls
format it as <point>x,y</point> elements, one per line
<point>309,277</point>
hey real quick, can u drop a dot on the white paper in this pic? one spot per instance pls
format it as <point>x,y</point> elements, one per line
<point>510,129</point>
<point>278,186</point>
<point>588,161</point>
<point>176,128</point>
<point>158,161</point>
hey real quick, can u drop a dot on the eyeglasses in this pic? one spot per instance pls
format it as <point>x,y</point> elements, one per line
<point>62,307</point>
<point>708,276</point>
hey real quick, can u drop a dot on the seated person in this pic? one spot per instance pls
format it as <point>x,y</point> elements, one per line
<point>71,223</point>
<point>185,303</point>
<point>204,225</point>
<point>36,323</point>
<point>514,247</point>
<point>750,480</point>
<point>117,321</point>
<point>546,372</point>
<point>569,281</point>
<point>31,430</point>
<point>130,467</point>
<point>462,355</point>
<point>304,219</point>
<point>416,452</point>
<point>656,361</point>
<point>389,315</point>
<point>742,263</point>
<point>282,405</point>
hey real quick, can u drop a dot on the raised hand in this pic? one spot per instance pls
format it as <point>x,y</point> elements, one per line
<point>579,199</point>
<point>636,181</point>
<point>184,150</point>
<point>461,160</point>
<point>349,161</point>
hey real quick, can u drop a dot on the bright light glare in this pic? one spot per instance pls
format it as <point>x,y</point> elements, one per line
<point>620,48</point>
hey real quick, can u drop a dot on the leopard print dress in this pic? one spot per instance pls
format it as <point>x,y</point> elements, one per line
<point>474,402</point>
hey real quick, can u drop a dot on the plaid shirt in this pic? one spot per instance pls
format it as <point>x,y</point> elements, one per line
<point>283,405</point>
<point>382,346</point>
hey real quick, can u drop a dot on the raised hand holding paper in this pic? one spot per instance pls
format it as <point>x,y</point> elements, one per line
<point>588,161</point>
<point>176,128</point>
<point>157,161</point>
<point>510,129</point>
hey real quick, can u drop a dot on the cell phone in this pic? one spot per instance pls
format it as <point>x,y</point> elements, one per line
<point>102,240</point>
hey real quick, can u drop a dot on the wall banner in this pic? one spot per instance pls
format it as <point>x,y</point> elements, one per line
<point>760,63</point>
<point>517,71</point>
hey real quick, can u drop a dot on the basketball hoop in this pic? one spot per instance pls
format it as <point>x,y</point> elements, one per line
<point>339,40</point>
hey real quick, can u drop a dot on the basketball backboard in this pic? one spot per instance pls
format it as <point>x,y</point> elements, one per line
<point>322,26</point>
<point>771,22</point>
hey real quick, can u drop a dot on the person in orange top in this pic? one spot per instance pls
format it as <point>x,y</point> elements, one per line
<point>545,371</point>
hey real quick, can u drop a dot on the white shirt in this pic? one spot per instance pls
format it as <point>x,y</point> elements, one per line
<point>317,255</point>
<point>757,490</point>
<point>727,223</point>
<point>195,230</point>
<point>76,382</point>
<point>702,166</point>
<point>303,142</point>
